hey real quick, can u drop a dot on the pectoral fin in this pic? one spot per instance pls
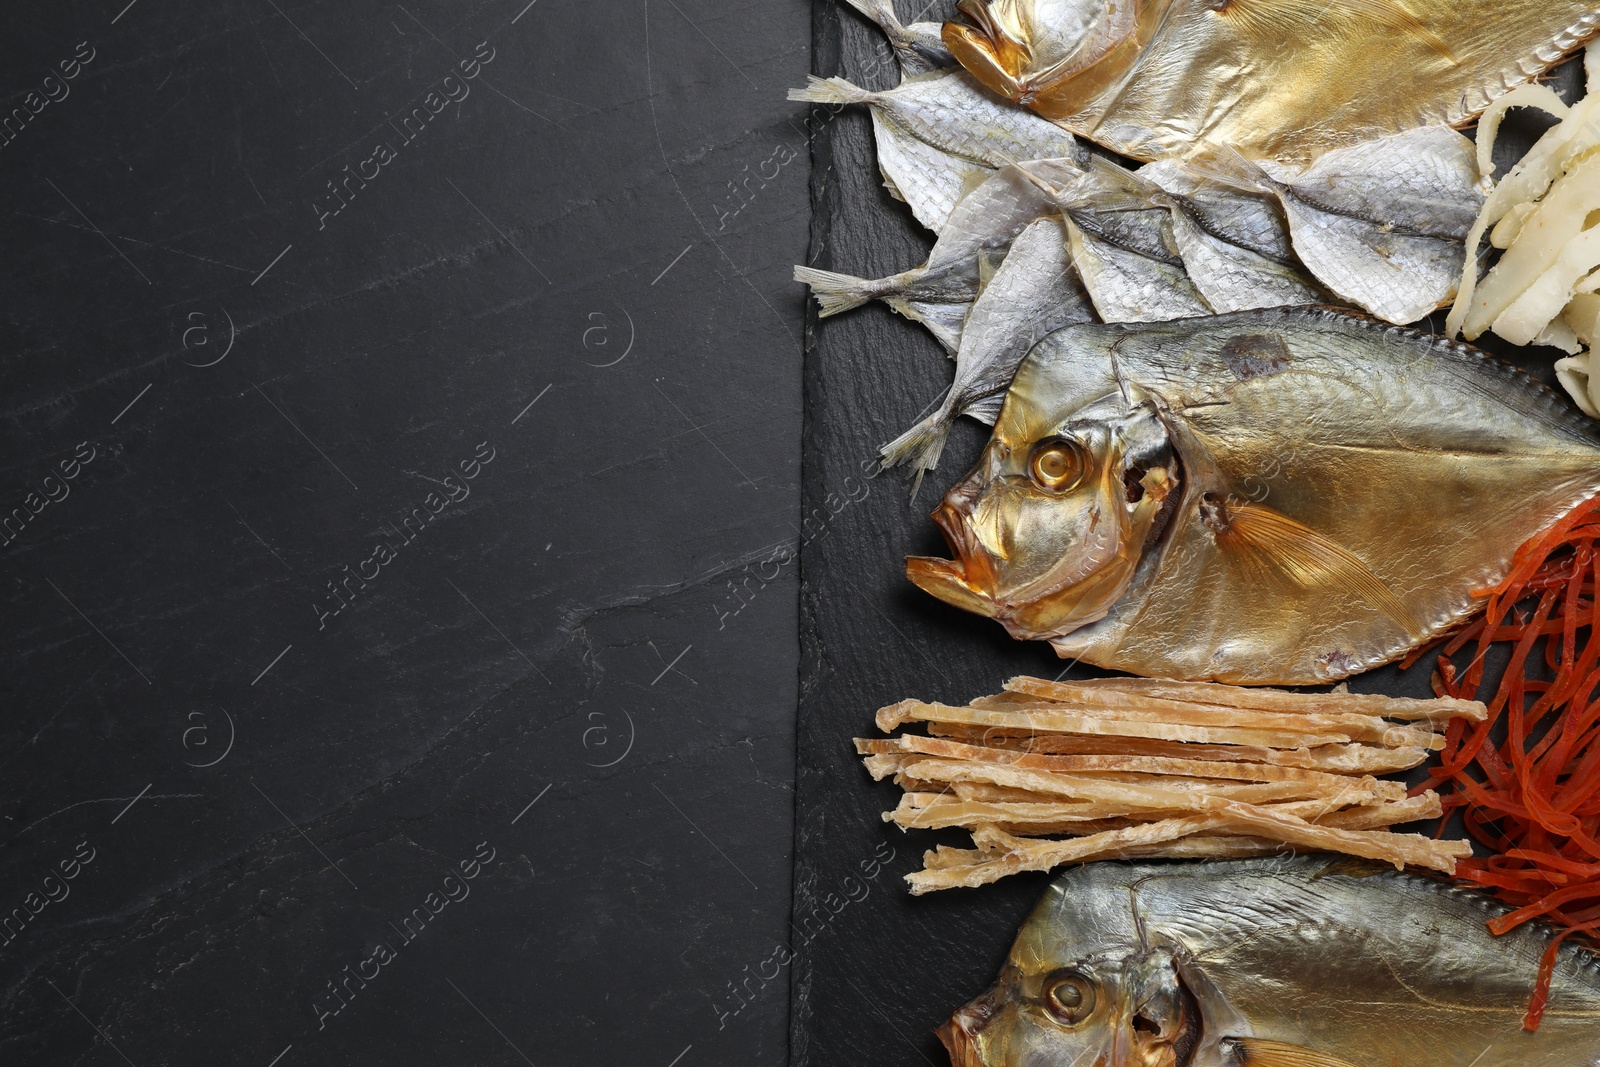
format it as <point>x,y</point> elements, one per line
<point>1296,19</point>
<point>1257,1052</point>
<point>1303,556</point>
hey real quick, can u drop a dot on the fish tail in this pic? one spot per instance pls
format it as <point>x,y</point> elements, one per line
<point>882,13</point>
<point>838,292</point>
<point>921,446</point>
<point>830,91</point>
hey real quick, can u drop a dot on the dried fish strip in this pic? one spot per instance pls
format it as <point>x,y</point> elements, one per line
<point>1048,773</point>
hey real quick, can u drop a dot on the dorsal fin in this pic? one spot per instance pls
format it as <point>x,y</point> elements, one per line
<point>1303,556</point>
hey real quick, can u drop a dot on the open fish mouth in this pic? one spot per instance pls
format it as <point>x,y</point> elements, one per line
<point>967,580</point>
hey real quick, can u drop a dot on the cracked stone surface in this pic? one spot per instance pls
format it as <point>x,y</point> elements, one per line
<point>517,785</point>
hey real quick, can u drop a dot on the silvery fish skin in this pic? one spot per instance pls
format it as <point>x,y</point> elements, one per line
<point>1035,292</point>
<point>1236,249</point>
<point>1279,962</point>
<point>1282,497</point>
<point>1382,224</point>
<point>1250,218</point>
<point>1129,262</point>
<point>919,47</point>
<point>939,294</point>
<point>934,129</point>
<point>1284,80</point>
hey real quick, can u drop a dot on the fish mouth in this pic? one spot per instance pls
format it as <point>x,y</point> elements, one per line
<point>963,582</point>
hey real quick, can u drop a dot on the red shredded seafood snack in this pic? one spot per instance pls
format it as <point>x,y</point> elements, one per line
<point>1526,781</point>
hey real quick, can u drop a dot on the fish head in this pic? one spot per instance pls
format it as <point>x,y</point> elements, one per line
<point>1049,528</point>
<point>1107,1010</point>
<point>1086,986</point>
<point>1055,56</point>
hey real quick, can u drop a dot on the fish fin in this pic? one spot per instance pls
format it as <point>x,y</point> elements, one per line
<point>837,292</point>
<point>1259,1052</point>
<point>1304,556</point>
<point>1224,165</point>
<point>921,446</point>
<point>1284,18</point>
<point>831,91</point>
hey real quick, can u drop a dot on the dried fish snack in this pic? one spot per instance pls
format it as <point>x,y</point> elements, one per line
<point>1280,497</point>
<point>1270,962</point>
<point>1283,80</point>
<point>938,134</point>
<point>1066,772</point>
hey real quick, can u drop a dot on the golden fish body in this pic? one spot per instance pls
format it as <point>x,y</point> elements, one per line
<point>1288,962</point>
<point>1276,79</point>
<point>1283,497</point>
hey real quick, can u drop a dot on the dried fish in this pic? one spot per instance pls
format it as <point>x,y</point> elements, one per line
<point>1035,292</point>
<point>1236,247</point>
<point>1275,497</point>
<point>940,293</point>
<point>1283,80</point>
<point>1273,962</point>
<point>1381,224</point>
<point>919,47</point>
<point>936,131</point>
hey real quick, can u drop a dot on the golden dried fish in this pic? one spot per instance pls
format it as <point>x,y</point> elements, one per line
<point>919,47</point>
<point>1273,962</point>
<point>1276,79</point>
<point>940,293</point>
<point>938,133</point>
<point>1382,224</point>
<point>1035,292</point>
<point>1272,498</point>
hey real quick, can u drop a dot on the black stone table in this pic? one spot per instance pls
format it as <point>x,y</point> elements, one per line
<point>399,501</point>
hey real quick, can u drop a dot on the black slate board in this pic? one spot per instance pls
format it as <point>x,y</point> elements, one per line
<point>875,975</point>
<point>588,665</point>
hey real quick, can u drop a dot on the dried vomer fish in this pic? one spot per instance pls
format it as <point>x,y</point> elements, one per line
<point>939,134</point>
<point>1382,224</point>
<point>918,47</point>
<point>1035,292</point>
<point>1272,963</point>
<point>1276,79</point>
<point>940,293</point>
<point>1273,498</point>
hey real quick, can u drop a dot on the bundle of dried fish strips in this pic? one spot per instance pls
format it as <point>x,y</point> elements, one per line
<point>1054,773</point>
<point>1282,80</point>
<point>1542,215</point>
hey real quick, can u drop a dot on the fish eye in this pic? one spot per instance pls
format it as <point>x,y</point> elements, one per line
<point>1058,465</point>
<point>1069,996</point>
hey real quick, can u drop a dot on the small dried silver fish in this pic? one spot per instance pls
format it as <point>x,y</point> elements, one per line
<point>935,130</point>
<point>939,293</point>
<point>919,47</point>
<point>1381,224</point>
<point>1250,218</point>
<point>1035,292</point>
<point>1232,267</point>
